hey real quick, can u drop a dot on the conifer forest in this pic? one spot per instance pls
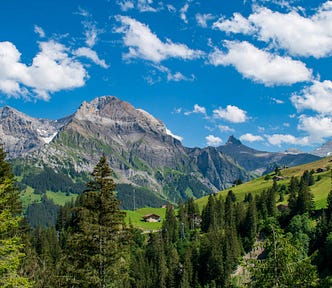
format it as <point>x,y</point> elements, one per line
<point>226,243</point>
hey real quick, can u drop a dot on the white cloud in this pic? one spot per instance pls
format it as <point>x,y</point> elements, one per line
<point>279,139</point>
<point>231,113</point>
<point>202,19</point>
<point>251,138</point>
<point>213,140</point>
<point>197,110</point>
<point>224,128</point>
<point>238,24</point>
<point>91,34</point>
<point>92,55</point>
<point>169,132</point>
<point>38,30</point>
<point>146,45</point>
<point>52,70</point>
<point>301,36</point>
<point>145,6</point>
<point>317,97</point>
<point>259,65</point>
<point>318,127</point>
<point>183,13</point>
<point>277,101</point>
<point>171,8</point>
<point>126,5</point>
<point>176,77</point>
<point>141,5</point>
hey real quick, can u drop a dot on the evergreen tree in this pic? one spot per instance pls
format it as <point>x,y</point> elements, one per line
<point>305,199</point>
<point>209,217</point>
<point>283,265</point>
<point>11,244</point>
<point>97,242</point>
<point>329,206</point>
<point>293,190</point>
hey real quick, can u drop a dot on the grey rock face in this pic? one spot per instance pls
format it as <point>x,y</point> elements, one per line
<point>324,150</point>
<point>260,162</point>
<point>22,134</point>
<point>136,143</point>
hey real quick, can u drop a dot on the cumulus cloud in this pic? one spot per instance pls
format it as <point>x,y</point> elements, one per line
<point>52,70</point>
<point>92,55</point>
<point>279,139</point>
<point>251,138</point>
<point>231,113</point>
<point>212,140</point>
<point>318,127</point>
<point>297,34</point>
<point>146,45</point>
<point>238,24</point>
<point>259,65</point>
<point>304,36</point>
<point>317,97</point>
<point>202,19</point>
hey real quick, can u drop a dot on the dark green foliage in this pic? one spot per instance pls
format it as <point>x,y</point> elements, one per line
<point>42,214</point>
<point>47,179</point>
<point>283,265</point>
<point>11,243</point>
<point>12,194</point>
<point>137,197</point>
<point>178,185</point>
<point>96,249</point>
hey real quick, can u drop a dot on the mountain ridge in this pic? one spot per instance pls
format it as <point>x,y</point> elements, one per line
<point>141,151</point>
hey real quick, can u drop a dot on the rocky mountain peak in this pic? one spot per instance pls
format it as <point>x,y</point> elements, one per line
<point>22,134</point>
<point>233,140</point>
<point>109,110</point>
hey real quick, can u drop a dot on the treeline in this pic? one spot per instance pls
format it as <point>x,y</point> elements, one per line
<point>52,181</point>
<point>90,245</point>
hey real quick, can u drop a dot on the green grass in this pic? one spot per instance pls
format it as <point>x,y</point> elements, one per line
<point>28,197</point>
<point>135,218</point>
<point>60,198</point>
<point>320,189</point>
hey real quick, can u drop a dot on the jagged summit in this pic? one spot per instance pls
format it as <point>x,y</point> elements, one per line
<point>109,110</point>
<point>233,140</point>
<point>22,134</point>
<point>140,149</point>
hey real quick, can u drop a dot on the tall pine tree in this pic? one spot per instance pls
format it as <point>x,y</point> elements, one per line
<point>97,241</point>
<point>10,239</point>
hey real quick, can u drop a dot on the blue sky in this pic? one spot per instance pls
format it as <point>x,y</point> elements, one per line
<point>259,70</point>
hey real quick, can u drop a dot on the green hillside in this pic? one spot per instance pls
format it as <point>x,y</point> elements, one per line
<point>320,189</point>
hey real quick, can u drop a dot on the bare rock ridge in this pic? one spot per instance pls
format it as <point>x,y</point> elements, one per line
<point>140,150</point>
<point>261,162</point>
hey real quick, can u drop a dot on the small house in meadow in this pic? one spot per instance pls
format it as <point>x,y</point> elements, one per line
<point>151,218</point>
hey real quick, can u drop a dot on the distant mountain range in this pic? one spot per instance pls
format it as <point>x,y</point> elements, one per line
<point>146,160</point>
